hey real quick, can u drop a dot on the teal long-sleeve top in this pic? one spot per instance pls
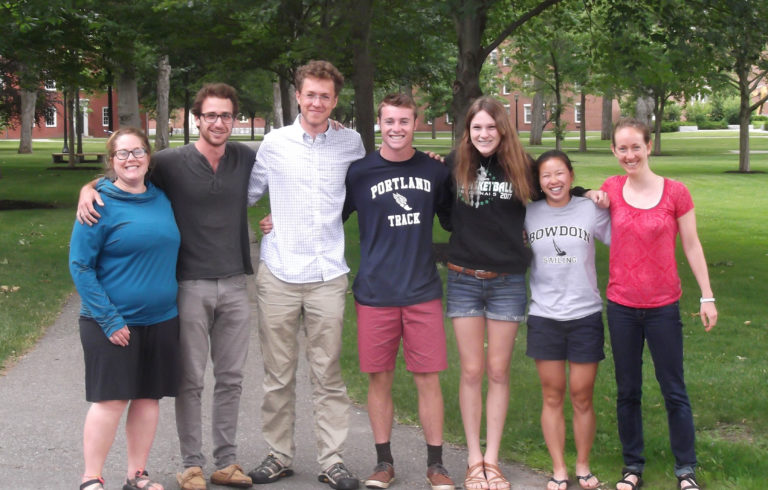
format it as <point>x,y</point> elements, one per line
<point>124,266</point>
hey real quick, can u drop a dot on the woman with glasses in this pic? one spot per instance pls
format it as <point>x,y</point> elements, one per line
<point>124,268</point>
<point>648,212</point>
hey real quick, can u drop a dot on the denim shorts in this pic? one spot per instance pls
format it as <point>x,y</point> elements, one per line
<point>579,340</point>
<point>502,298</point>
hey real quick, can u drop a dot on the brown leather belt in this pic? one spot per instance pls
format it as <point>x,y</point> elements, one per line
<point>479,274</point>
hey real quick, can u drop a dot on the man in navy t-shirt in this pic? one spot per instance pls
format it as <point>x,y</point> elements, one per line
<point>396,192</point>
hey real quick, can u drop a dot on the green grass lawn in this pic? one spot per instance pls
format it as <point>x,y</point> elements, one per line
<point>726,369</point>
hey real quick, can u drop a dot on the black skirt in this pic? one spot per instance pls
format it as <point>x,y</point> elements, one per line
<point>148,367</point>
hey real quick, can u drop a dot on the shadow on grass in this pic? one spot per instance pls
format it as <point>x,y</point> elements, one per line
<point>9,205</point>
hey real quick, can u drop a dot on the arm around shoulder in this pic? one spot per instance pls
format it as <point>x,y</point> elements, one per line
<point>86,212</point>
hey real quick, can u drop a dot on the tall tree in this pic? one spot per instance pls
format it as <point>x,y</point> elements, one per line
<point>736,31</point>
<point>474,44</point>
<point>553,49</point>
<point>648,48</point>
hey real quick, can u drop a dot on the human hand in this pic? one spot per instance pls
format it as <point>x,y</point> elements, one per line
<point>708,314</point>
<point>265,225</point>
<point>121,337</point>
<point>600,198</point>
<point>436,156</point>
<point>335,125</point>
<point>86,212</point>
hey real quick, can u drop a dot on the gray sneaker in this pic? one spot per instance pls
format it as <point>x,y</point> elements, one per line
<point>270,470</point>
<point>338,477</point>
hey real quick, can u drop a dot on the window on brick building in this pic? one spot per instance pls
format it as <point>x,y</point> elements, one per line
<point>50,117</point>
<point>527,113</point>
<point>577,113</point>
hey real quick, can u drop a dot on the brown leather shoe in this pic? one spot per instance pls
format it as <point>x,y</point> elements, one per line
<point>382,477</point>
<point>231,476</point>
<point>191,479</point>
<point>438,478</point>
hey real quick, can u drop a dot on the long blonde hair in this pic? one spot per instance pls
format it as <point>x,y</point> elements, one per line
<point>511,156</point>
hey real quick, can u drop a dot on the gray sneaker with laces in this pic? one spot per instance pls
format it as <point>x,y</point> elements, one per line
<point>270,470</point>
<point>338,477</point>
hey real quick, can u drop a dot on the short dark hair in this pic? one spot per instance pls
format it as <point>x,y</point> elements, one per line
<point>324,70</point>
<point>218,90</point>
<point>399,100</point>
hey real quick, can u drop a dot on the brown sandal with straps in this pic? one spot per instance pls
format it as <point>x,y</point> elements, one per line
<point>474,479</point>
<point>496,477</point>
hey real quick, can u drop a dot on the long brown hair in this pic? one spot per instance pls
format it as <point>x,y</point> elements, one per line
<point>512,158</point>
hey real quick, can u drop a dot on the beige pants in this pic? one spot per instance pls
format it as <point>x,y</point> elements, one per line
<point>281,308</point>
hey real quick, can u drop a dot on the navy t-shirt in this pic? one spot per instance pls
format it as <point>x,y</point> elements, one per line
<point>396,203</point>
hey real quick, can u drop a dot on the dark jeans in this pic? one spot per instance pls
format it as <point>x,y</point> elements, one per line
<point>662,328</point>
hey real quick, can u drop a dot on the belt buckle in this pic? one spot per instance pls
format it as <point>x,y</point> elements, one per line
<point>479,273</point>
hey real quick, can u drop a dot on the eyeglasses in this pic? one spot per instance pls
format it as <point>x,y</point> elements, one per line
<point>324,99</point>
<point>136,152</point>
<point>210,117</point>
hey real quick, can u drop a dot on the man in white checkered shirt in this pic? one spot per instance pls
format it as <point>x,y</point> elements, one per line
<point>303,273</point>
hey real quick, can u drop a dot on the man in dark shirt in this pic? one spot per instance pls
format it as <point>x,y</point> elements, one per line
<point>396,193</point>
<point>207,184</point>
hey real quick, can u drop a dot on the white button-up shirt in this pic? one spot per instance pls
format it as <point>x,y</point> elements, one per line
<point>305,180</point>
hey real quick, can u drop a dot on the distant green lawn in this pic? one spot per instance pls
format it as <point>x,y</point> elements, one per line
<point>726,370</point>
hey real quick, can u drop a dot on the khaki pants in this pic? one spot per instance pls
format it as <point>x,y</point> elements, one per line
<point>281,306</point>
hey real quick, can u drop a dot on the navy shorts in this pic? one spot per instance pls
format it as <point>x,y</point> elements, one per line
<point>579,340</point>
<point>502,298</point>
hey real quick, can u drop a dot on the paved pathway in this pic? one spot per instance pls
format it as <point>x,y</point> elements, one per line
<point>42,408</point>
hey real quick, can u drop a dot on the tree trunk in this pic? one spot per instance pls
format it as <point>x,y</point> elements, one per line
<point>110,108</point>
<point>78,122</point>
<point>470,25</point>
<point>277,107</point>
<point>187,108</point>
<point>65,108</point>
<point>128,99</point>
<point>537,119</point>
<point>559,129</point>
<point>583,127</point>
<point>28,101</point>
<point>644,109</point>
<point>287,101</point>
<point>607,120</point>
<point>162,139</point>
<point>71,124</point>
<point>744,113</point>
<point>658,113</point>
<point>434,128</point>
<point>362,78</point>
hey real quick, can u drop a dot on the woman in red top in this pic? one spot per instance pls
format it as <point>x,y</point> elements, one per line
<point>647,213</point>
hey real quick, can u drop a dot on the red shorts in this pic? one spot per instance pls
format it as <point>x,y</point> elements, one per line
<point>380,328</point>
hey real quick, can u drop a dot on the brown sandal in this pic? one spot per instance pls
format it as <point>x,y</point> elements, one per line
<point>474,477</point>
<point>496,477</point>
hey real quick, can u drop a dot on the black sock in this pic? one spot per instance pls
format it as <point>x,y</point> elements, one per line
<point>434,455</point>
<point>384,453</point>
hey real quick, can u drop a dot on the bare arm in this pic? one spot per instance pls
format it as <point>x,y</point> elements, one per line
<point>86,212</point>
<point>689,237</point>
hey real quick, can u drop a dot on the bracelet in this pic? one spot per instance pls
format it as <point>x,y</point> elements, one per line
<point>706,300</point>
